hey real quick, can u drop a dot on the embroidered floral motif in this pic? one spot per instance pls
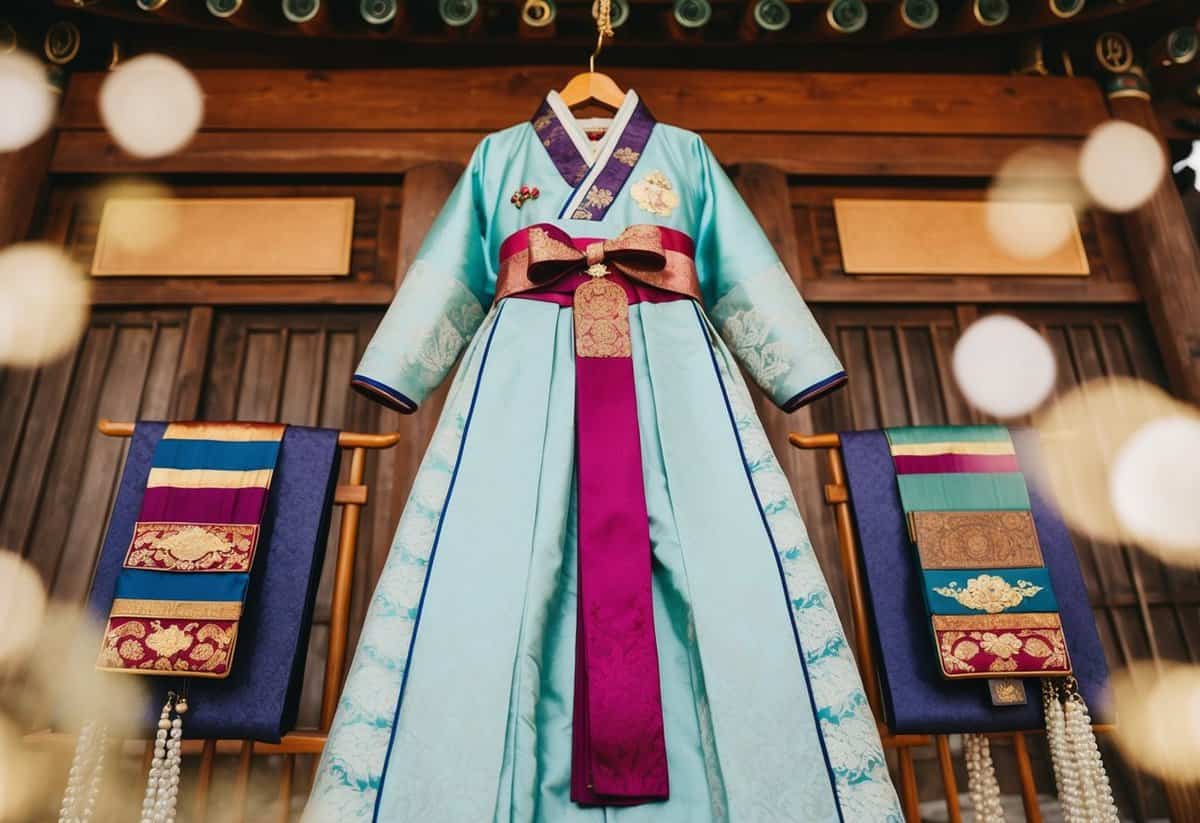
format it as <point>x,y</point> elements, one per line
<point>542,122</point>
<point>1002,645</point>
<point>599,197</point>
<point>778,341</point>
<point>131,650</point>
<point>966,653</point>
<point>430,345</point>
<point>192,547</point>
<point>167,646</point>
<point>747,332</point>
<point>655,194</point>
<point>171,640</point>
<point>581,214</point>
<point>988,593</point>
<point>626,155</point>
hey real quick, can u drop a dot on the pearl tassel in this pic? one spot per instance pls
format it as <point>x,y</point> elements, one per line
<point>982,785</point>
<point>1083,786</point>
<point>1065,776</point>
<point>162,783</point>
<point>87,767</point>
<point>1098,796</point>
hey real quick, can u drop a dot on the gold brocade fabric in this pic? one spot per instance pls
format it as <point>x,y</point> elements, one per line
<point>975,540</point>
<point>193,547</point>
<point>601,320</point>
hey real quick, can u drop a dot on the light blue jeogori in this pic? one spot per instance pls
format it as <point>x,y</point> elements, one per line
<point>458,704</point>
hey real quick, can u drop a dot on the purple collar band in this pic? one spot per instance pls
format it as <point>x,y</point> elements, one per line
<point>596,183</point>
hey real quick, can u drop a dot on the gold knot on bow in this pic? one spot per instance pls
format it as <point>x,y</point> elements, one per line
<point>636,252</point>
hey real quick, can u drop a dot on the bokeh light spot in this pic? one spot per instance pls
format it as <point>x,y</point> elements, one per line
<point>29,101</point>
<point>151,105</point>
<point>1024,214</point>
<point>1158,719</point>
<point>1121,165</point>
<point>1003,366</point>
<point>1081,433</point>
<point>43,304</point>
<point>1155,486</point>
<point>22,604</point>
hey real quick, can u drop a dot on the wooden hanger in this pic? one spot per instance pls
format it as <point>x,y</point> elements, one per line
<point>592,87</point>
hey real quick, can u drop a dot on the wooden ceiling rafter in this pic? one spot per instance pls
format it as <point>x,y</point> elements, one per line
<point>707,21</point>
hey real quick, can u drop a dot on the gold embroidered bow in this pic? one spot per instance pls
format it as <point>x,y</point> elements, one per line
<point>636,252</point>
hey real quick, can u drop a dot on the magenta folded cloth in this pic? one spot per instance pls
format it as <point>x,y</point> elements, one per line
<point>618,747</point>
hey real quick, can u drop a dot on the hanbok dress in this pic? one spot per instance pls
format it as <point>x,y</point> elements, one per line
<point>601,603</point>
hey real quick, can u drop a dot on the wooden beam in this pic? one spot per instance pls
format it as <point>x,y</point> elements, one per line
<point>710,101</point>
<point>1007,289</point>
<point>197,291</point>
<point>392,152</point>
<point>271,152</point>
<point>1167,264</point>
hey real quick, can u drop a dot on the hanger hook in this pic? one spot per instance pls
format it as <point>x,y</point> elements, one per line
<point>603,14</point>
<point>596,52</point>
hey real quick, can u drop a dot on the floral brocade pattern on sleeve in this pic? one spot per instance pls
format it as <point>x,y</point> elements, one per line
<point>429,323</point>
<point>771,331</point>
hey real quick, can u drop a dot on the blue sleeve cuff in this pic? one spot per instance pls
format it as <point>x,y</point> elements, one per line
<point>814,391</point>
<point>382,394</point>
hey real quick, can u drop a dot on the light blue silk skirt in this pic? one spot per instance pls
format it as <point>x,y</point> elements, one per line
<point>458,704</point>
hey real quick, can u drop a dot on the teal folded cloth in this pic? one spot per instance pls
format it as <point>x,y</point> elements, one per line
<point>963,492</point>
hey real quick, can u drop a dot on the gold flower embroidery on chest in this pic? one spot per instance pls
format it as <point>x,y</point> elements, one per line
<point>626,155</point>
<point>655,194</point>
<point>599,197</point>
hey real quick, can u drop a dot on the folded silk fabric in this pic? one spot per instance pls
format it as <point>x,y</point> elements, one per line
<point>916,698</point>
<point>260,698</point>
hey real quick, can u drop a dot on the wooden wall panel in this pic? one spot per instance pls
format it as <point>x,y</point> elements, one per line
<point>73,220</point>
<point>60,474</point>
<point>822,275</point>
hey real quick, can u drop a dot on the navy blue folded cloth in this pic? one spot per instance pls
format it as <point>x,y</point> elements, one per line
<point>260,698</point>
<point>916,698</point>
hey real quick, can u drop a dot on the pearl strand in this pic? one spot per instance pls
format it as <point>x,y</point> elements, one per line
<point>982,785</point>
<point>1079,721</point>
<point>162,784</point>
<point>1065,773</point>
<point>87,765</point>
<point>1076,745</point>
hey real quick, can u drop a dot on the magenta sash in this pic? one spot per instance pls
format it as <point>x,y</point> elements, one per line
<point>618,749</point>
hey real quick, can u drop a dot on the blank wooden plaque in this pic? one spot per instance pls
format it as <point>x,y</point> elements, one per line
<point>252,236</point>
<point>949,237</point>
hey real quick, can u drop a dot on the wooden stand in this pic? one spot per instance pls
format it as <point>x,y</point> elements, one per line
<point>351,496</point>
<point>837,495</point>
